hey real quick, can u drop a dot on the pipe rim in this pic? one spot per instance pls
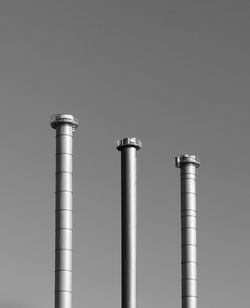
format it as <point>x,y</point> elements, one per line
<point>60,119</point>
<point>186,159</point>
<point>129,142</point>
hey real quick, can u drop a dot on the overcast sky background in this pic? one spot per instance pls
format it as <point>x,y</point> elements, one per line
<point>175,74</point>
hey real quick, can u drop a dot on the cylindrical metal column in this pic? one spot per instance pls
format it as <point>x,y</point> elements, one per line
<point>65,126</point>
<point>188,165</point>
<point>128,148</point>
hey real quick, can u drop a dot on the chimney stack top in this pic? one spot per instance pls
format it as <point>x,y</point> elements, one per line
<point>186,159</point>
<point>129,142</point>
<point>60,119</point>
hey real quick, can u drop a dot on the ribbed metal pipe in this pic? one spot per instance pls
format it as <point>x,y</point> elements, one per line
<point>188,165</point>
<point>128,148</point>
<point>65,126</point>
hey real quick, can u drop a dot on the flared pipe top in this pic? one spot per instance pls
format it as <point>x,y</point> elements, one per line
<point>186,159</point>
<point>129,142</point>
<point>60,119</point>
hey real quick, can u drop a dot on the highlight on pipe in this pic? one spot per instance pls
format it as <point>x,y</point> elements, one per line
<point>129,142</point>
<point>186,159</point>
<point>60,119</point>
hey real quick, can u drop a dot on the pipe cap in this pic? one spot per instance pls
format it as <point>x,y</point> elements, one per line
<point>129,142</point>
<point>186,159</point>
<point>60,119</point>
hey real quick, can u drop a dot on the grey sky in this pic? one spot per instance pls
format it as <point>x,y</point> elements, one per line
<point>175,74</point>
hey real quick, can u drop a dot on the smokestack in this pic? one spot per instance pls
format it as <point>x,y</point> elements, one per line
<point>65,126</point>
<point>188,165</point>
<point>128,148</point>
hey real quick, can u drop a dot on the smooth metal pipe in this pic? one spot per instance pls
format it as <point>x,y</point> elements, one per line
<point>128,148</point>
<point>188,165</point>
<point>65,126</point>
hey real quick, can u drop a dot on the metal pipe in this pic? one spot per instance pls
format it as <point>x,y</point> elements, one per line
<point>65,126</point>
<point>128,148</point>
<point>188,165</point>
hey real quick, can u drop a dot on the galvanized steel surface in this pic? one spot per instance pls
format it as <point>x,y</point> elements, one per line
<point>65,126</point>
<point>188,165</point>
<point>128,150</point>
